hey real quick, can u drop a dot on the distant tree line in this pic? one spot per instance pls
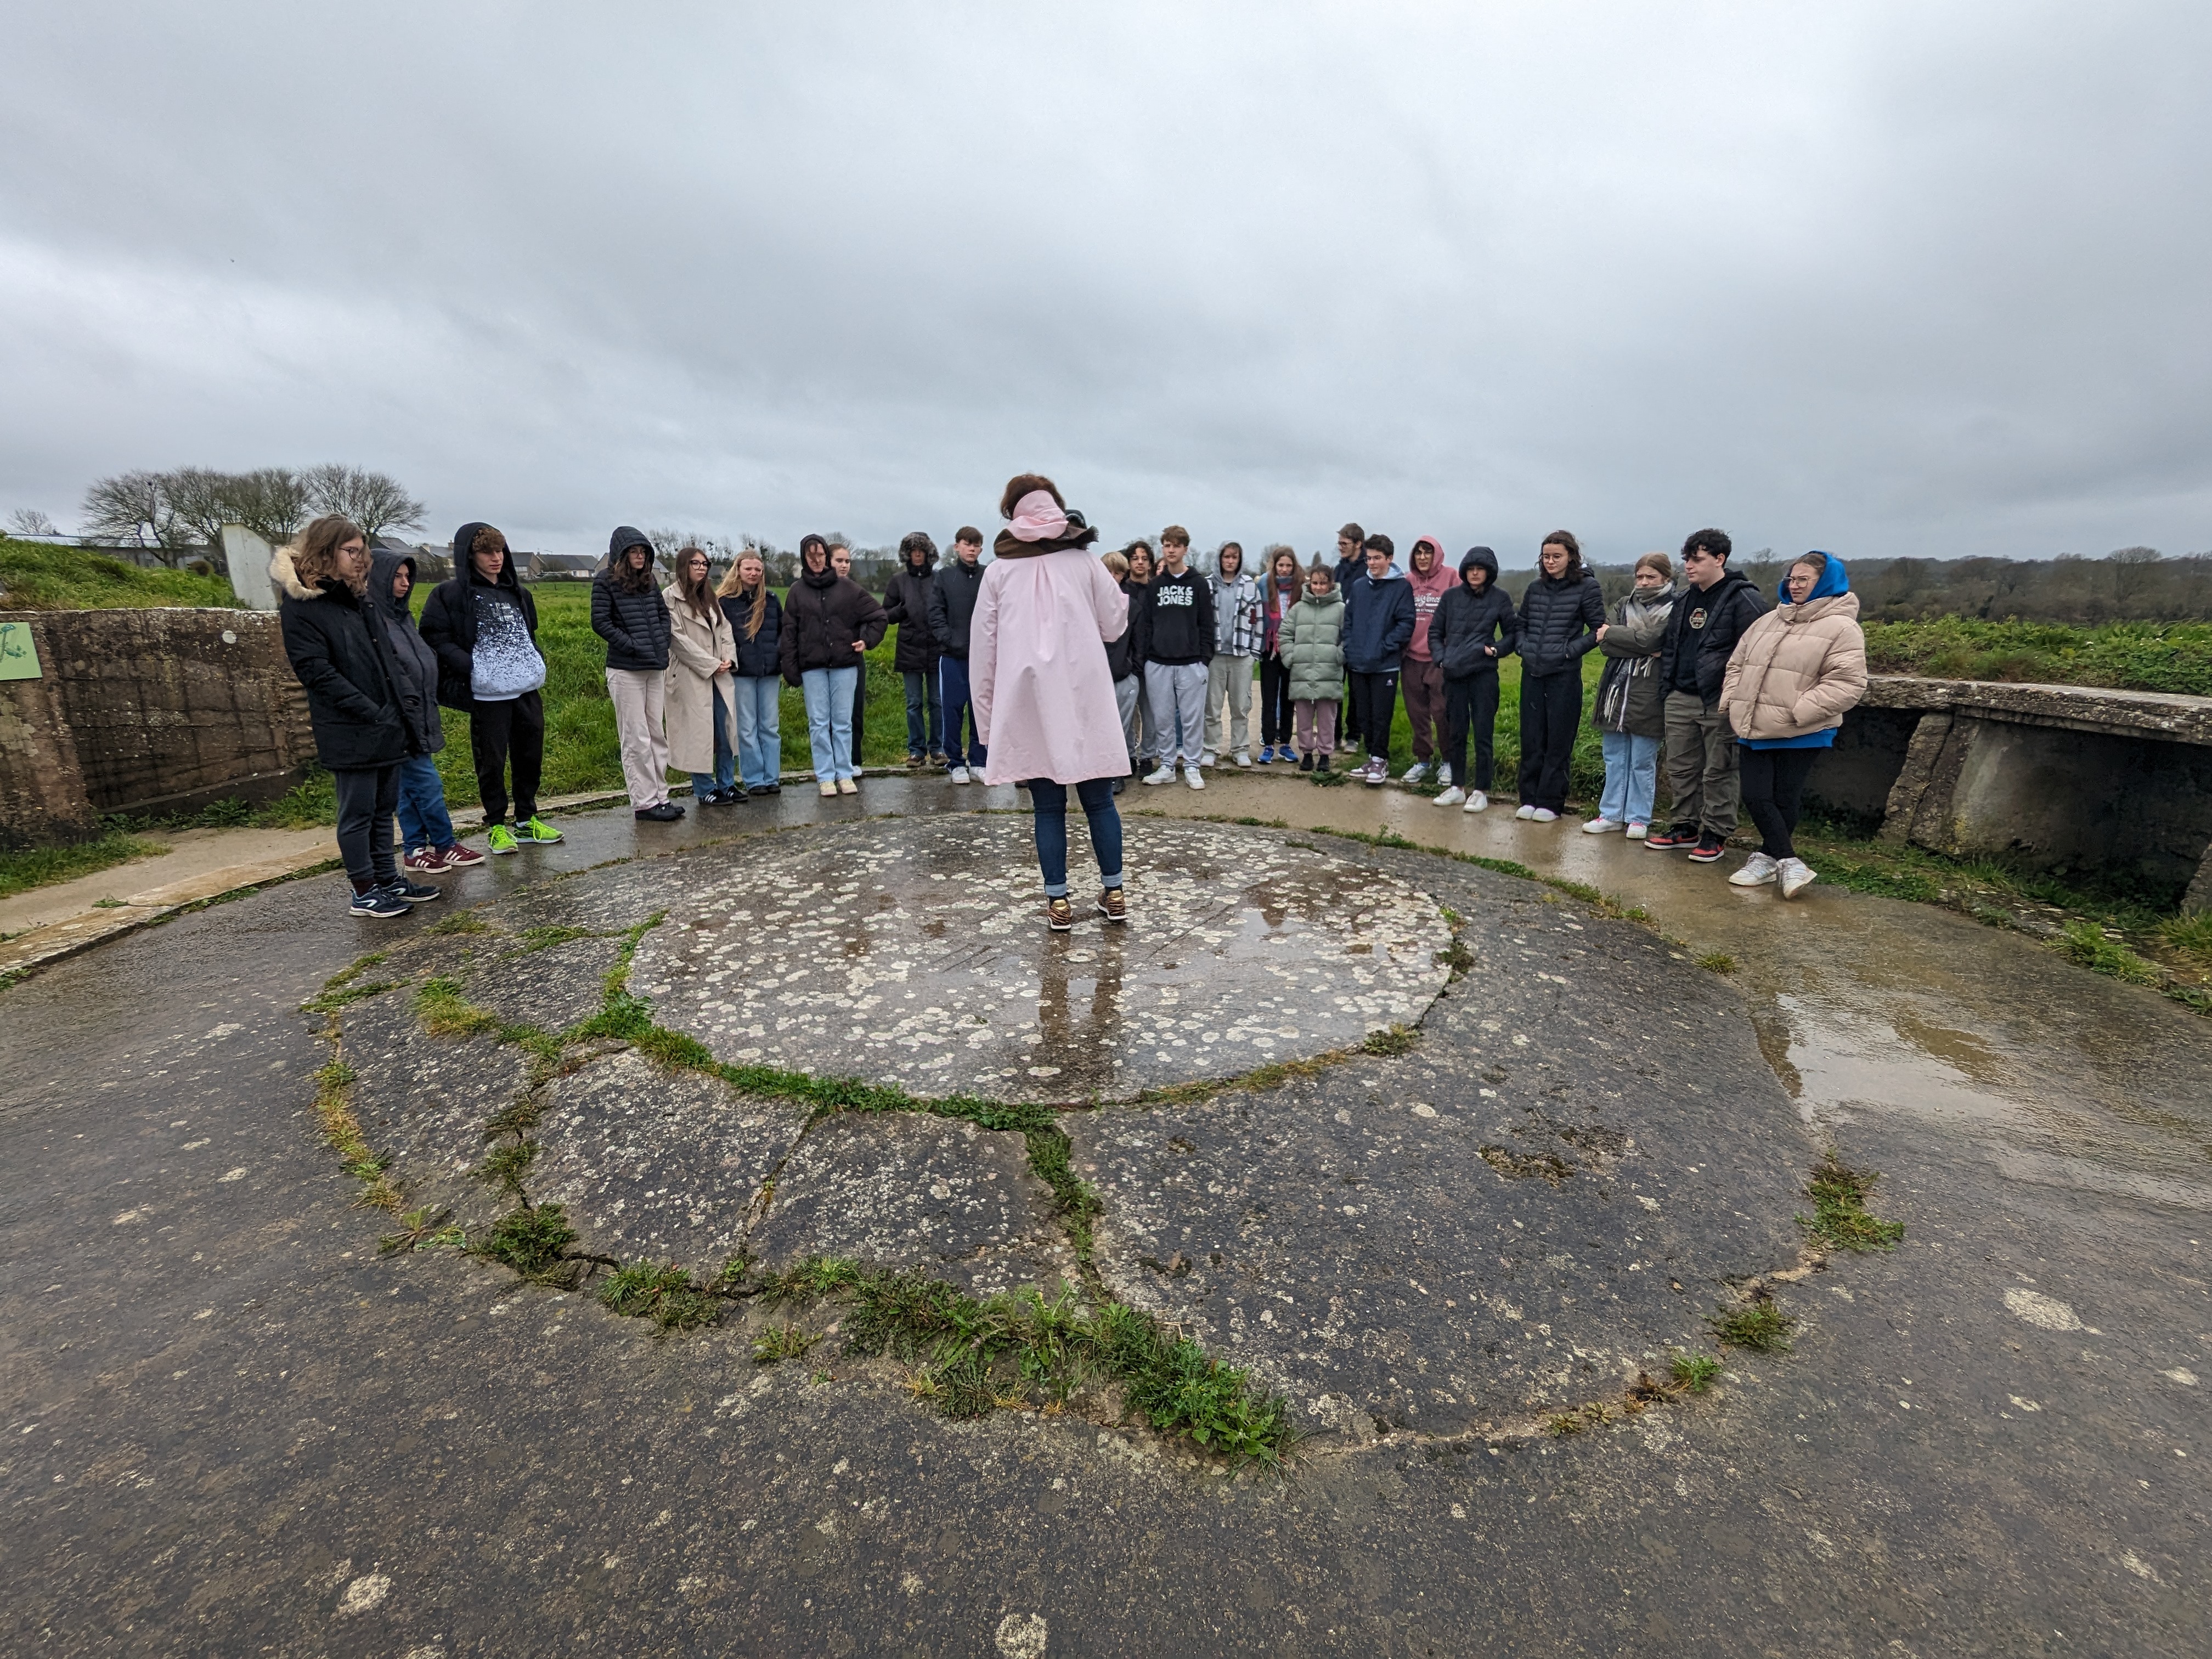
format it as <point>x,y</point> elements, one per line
<point>177,512</point>
<point>2136,584</point>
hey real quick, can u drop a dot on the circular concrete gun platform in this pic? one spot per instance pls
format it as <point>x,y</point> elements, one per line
<point>1426,1147</point>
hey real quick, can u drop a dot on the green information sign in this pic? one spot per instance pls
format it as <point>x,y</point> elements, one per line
<point>19,653</point>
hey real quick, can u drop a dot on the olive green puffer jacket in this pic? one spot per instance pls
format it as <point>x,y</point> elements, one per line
<point>1311,646</point>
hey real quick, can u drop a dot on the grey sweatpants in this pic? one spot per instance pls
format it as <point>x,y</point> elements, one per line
<point>1177,691</point>
<point>1701,766</point>
<point>1229,677</point>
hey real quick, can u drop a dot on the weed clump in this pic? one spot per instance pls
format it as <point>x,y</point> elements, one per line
<point>1758,1325</point>
<point>424,1229</point>
<point>466,921</point>
<point>782,1342</point>
<point>1398,1040</point>
<point>531,1240</point>
<point>1693,1373</point>
<point>2084,942</point>
<point>665,1295</point>
<point>505,1166</point>
<point>445,1011</point>
<point>1718,961</point>
<point>1840,1217</point>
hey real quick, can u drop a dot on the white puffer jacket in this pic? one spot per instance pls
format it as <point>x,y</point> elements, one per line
<point>1796,670</point>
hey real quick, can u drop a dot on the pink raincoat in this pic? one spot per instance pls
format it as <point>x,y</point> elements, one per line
<point>1036,669</point>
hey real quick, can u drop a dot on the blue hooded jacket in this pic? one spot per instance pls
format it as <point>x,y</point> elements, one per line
<point>1378,622</point>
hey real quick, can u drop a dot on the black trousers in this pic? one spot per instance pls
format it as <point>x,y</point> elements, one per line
<point>1374,706</point>
<point>1773,782</point>
<point>501,732</point>
<point>1274,703</point>
<point>1471,705</point>
<point>368,797</point>
<point>1550,713</point>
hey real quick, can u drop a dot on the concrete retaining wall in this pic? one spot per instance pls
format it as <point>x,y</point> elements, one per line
<point>2060,778</point>
<point>155,710</point>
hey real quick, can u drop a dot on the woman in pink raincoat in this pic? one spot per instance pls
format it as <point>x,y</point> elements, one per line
<point>1044,696</point>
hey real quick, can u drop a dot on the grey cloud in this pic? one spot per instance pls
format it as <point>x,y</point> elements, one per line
<point>1893,279</point>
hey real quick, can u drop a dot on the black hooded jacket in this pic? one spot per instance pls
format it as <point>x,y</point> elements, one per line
<point>335,640</point>
<point>415,662</point>
<point>906,604</point>
<point>1470,633</point>
<point>953,593</point>
<point>1559,620</point>
<point>1702,634</point>
<point>634,625</point>
<point>449,617</point>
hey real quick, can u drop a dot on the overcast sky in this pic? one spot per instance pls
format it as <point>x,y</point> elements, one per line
<point>1915,278</point>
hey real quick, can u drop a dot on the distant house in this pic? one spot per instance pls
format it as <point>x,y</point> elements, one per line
<point>558,567</point>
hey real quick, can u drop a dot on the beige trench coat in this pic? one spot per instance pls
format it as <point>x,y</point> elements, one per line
<point>1796,669</point>
<point>696,648</point>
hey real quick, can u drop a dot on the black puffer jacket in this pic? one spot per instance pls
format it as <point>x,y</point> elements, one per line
<point>953,593</point>
<point>906,604</point>
<point>416,662</point>
<point>1559,622</point>
<point>1702,634</point>
<point>823,615</point>
<point>335,640</point>
<point>760,658</point>
<point>634,625</point>
<point>449,618</point>
<point>1471,633</point>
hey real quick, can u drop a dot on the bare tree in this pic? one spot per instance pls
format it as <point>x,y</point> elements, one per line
<point>200,500</point>
<point>271,501</point>
<point>132,509</point>
<point>374,500</point>
<point>24,521</point>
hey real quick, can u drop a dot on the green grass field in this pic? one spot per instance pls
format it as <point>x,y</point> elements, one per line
<point>2175,657</point>
<point>39,576</point>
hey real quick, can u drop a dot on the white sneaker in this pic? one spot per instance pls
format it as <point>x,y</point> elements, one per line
<point>1443,774</point>
<point>960,775</point>
<point>1526,811</point>
<point>1209,759</point>
<point>1600,826</point>
<point>1376,770</point>
<point>1638,831</point>
<point>1451,798</point>
<point>830,789</point>
<point>1190,776</point>
<point>1244,757</point>
<point>1796,876</point>
<point>1166,775</point>
<point>1544,815</point>
<point>1758,871</point>
<point>1414,772</point>
<point>1477,802</point>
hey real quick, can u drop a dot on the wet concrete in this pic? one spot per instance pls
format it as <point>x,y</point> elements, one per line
<point>247,1433</point>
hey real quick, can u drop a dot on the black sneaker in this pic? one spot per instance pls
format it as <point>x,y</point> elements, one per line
<point>1306,761</point>
<point>1664,841</point>
<point>379,902</point>
<point>413,892</point>
<point>768,789</point>
<point>1708,849</point>
<point>667,812</point>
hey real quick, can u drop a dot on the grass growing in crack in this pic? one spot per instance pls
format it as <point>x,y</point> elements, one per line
<point>2084,942</point>
<point>1397,1040</point>
<point>531,1240</point>
<point>346,985</point>
<point>467,922</point>
<point>1693,1373</point>
<point>665,1295</point>
<point>1759,1326</point>
<point>334,1111</point>
<point>780,1342</point>
<point>505,1166</point>
<point>545,938</point>
<point>1328,780</point>
<point>424,1229</point>
<point>969,1357</point>
<point>1840,1217</point>
<point>1456,958</point>
<point>1717,962</point>
<point>444,1012</point>
<point>2191,932</point>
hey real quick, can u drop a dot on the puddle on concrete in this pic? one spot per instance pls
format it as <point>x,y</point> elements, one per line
<point>914,953</point>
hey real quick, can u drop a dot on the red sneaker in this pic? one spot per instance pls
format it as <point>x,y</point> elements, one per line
<point>429,861</point>
<point>1662,840</point>
<point>460,857</point>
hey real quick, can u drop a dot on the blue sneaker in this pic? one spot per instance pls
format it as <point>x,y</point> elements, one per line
<point>379,902</point>
<point>1266,756</point>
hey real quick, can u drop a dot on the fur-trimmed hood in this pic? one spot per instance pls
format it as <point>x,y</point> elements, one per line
<point>284,572</point>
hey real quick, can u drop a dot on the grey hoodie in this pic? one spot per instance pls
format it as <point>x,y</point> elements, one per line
<point>411,652</point>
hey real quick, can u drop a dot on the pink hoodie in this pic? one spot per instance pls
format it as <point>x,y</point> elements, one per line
<point>1428,593</point>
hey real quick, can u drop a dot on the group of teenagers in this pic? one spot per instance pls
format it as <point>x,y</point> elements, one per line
<point>1055,668</point>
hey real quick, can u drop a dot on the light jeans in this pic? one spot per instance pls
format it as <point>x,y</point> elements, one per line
<point>724,775</point>
<point>829,694</point>
<point>1229,677</point>
<point>640,696</point>
<point>760,729</point>
<point>1631,777</point>
<point>1177,694</point>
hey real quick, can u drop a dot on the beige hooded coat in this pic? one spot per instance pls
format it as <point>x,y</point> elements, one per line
<point>1796,670</point>
<point>698,646</point>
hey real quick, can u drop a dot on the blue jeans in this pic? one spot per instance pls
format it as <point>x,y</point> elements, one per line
<point>760,729</point>
<point>1631,776</point>
<point>829,693</point>
<point>925,713</point>
<point>952,696</point>
<point>1050,800</point>
<point>423,820</point>
<point>726,758</point>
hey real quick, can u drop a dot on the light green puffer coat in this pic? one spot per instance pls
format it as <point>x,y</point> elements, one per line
<point>1311,646</point>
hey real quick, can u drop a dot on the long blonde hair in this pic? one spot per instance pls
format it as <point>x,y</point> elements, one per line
<point>734,586</point>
